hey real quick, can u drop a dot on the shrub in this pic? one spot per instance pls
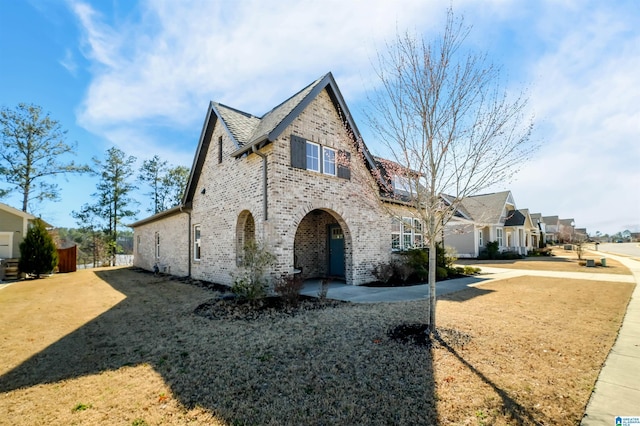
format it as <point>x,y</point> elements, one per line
<point>441,272</point>
<point>492,249</point>
<point>471,270</point>
<point>38,254</point>
<point>288,287</point>
<point>418,260</point>
<point>251,281</point>
<point>384,271</point>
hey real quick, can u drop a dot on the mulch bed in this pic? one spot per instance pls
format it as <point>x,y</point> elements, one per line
<point>228,307</point>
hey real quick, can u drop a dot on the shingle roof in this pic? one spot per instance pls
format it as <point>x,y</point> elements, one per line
<point>246,128</point>
<point>486,208</point>
<point>240,124</point>
<point>516,218</point>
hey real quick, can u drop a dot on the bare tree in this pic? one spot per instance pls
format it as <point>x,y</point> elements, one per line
<point>449,128</point>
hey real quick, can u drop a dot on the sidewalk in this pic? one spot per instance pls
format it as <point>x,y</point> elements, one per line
<point>617,390</point>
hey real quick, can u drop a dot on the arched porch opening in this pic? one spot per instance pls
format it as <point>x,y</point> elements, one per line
<point>245,232</point>
<point>322,246</point>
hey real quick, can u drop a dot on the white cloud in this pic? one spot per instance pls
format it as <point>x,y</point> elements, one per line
<point>586,98</point>
<point>157,69</point>
<point>69,62</point>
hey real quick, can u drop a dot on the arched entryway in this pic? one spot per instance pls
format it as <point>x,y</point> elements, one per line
<point>245,232</point>
<point>322,246</point>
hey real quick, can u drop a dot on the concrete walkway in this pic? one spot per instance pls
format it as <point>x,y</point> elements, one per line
<point>617,390</point>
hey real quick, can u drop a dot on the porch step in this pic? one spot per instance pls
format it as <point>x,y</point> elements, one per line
<point>9,270</point>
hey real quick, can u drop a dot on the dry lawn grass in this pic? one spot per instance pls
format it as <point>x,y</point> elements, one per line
<point>123,347</point>
<point>562,261</point>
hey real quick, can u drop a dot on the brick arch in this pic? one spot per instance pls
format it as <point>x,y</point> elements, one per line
<point>245,232</point>
<point>310,241</point>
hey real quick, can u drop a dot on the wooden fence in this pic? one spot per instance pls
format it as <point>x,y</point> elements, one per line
<point>67,259</point>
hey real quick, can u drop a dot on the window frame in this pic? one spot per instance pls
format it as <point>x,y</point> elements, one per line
<point>311,159</point>
<point>406,233</point>
<point>197,242</point>
<point>325,161</point>
<point>156,240</point>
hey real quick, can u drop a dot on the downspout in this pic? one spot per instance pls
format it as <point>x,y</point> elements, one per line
<point>264,181</point>
<point>188,212</point>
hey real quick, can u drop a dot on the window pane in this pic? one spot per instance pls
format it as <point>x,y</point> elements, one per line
<point>395,241</point>
<point>329,161</point>
<point>407,241</point>
<point>313,157</point>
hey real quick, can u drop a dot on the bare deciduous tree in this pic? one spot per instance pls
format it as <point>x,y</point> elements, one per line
<point>449,128</point>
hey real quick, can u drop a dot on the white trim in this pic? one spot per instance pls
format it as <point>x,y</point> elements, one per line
<point>197,244</point>
<point>10,246</point>
<point>318,159</point>
<point>156,242</point>
<point>325,161</point>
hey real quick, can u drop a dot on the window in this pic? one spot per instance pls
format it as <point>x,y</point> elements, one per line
<point>157,239</point>
<point>196,242</point>
<point>219,149</point>
<point>138,244</point>
<point>417,233</point>
<point>396,230</point>
<point>499,236</point>
<point>328,161</point>
<point>401,184</point>
<point>313,157</point>
<point>480,239</point>
<point>406,233</point>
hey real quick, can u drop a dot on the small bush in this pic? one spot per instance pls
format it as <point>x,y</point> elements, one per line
<point>441,273</point>
<point>492,249</point>
<point>384,271</point>
<point>471,270</point>
<point>38,254</point>
<point>288,287</point>
<point>251,281</point>
<point>418,260</point>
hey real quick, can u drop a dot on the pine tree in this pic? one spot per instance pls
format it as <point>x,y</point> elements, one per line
<point>38,254</point>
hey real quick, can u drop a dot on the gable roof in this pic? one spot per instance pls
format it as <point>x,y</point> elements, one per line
<point>249,132</point>
<point>516,218</point>
<point>487,208</point>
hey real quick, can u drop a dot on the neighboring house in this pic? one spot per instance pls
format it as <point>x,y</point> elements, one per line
<point>581,234</point>
<point>490,217</point>
<point>552,227</point>
<point>566,230</point>
<point>536,219</point>
<point>277,179</point>
<point>14,224</point>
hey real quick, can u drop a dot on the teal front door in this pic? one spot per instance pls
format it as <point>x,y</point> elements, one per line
<point>336,251</point>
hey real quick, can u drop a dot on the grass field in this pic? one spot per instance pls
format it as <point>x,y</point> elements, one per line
<point>116,346</point>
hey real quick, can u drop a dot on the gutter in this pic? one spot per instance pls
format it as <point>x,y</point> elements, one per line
<point>265,204</point>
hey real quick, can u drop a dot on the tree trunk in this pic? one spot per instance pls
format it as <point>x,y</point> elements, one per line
<point>432,285</point>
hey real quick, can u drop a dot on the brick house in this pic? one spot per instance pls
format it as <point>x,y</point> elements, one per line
<point>275,179</point>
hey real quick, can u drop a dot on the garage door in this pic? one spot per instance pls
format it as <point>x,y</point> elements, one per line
<point>5,245</point>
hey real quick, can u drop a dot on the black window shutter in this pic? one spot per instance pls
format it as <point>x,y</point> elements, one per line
<point>298,152</point>
<point>344,171</point>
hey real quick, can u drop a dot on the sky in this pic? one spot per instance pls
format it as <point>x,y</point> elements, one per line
<point>139,75</point>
